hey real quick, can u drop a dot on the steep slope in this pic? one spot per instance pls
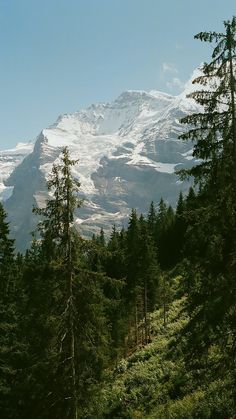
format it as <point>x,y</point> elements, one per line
<point>9,159</point>
<point>155,383</point>
<point>128,152</point>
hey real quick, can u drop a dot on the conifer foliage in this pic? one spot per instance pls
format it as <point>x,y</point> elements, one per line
<point>214,129</point>
<point>8,317</point>
<point>211,216</point>
<point>77,313</point>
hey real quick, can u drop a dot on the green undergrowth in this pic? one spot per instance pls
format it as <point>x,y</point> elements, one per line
<point>154,382</point>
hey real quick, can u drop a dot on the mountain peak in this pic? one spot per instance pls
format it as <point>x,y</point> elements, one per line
<point>128,152</point>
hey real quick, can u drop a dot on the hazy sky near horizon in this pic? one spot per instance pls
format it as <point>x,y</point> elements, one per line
<point>58,56</point>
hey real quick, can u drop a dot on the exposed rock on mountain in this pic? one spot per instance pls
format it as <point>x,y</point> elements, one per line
<point>128,152</point>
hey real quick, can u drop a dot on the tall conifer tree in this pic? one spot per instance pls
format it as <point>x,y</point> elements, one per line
<point>10,342</point>
<point>80,325</point>
<point>212,229</point>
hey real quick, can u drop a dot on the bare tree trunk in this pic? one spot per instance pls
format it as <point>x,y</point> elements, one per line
<point>72,351</point>
<point>73,370</point>
<point>71,331</point>
<point>145,313</point>
<point>136,324</point>
<point>164,300</point>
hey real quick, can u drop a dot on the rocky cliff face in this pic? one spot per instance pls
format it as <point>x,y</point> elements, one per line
<point>128,152</point>
<point>9,159</point>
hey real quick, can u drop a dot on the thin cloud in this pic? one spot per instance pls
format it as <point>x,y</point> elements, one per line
<point>169,68</point>
<point>178,46</point>
<point>175,83</point>
<point>169,75</point>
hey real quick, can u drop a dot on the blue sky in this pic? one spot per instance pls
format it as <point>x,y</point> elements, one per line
<point>58,56</point>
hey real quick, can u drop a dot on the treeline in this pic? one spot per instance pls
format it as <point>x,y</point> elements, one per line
<point>71,309</point>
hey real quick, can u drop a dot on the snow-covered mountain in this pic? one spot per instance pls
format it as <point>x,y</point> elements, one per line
<point>128,152</point>
<point>9,159</point>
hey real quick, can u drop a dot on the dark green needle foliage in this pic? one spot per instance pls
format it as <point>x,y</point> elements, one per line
<point>11,347</point>
<point>211,215</point>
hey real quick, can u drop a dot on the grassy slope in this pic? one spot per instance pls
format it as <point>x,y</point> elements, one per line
<point>153,382</point>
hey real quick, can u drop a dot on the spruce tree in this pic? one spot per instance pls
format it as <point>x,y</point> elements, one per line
<point>211,229</point>
<point>11,347</point>
<point>214,129</point>
<point>148,274</point>
<point>179,229</point>
<point>132,243</point>
<point>164,232</point>
<point>152,218</point>
<point>58,237</point>
<point>80,326</point>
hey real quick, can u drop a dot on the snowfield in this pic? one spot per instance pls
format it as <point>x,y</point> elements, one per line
<point>128,153</point>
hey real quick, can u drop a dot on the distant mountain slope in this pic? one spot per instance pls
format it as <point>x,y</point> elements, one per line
<point>128,152</point>
<point>9,159</point>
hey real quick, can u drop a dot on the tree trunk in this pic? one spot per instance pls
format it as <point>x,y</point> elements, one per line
<point>145,313</point>
<point>72,351</point>
<point>164,301</point>
<point>69,268</point>
<point>136,324</point>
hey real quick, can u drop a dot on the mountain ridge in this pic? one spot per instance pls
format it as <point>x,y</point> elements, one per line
<point>128,152</point>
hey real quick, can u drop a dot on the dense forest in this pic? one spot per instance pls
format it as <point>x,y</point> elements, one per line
<point>141,324</point>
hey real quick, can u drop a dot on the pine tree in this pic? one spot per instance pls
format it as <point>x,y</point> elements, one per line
<point>78,310</point>
<point>6,253</point>
<point>211,228</point>
<point>148,274</point>
<point>38,327</point>
<point>132,243</point>
<point>214,129</point>
<point>60,212</point>
<point>115,262</point>
<point>164,235</point>
<point>11,348</point>
<point>152,218</point>
<point>180,226</point>
<point>190,199</point>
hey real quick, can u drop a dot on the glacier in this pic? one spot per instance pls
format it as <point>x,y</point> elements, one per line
<point>128,153</point>
<point>9,159</point>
